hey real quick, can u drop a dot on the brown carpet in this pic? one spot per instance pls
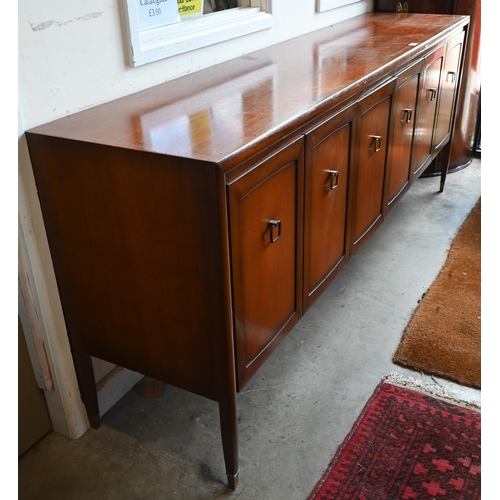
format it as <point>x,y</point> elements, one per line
<point>443,337</point>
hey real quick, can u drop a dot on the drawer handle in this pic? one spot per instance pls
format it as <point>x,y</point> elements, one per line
<point>453,76</point>
<point>402,8</point>
<point>333,175</point>
<point>378,142</point>
<point>433,93</point>
<point>275,227</point>
<point>407,115</point>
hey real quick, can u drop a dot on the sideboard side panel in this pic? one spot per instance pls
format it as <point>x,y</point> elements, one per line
<point>136,246</point>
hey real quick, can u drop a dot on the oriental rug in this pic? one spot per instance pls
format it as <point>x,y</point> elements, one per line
<point>443,337</point>
<point>406,445</point>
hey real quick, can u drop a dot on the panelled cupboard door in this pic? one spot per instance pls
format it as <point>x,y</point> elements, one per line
<point>448,90</point>
<point>265,235</point>
<point>373,119</point>
<point>403,126</point>
<point>424,132</point>
<point>328,157</point>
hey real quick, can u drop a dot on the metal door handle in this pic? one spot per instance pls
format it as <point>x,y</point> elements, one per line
<point>378,142</point>
<point>333,175</point>
<point>433,93</point>
<point>407,115</point>
<point>453,76</point>
<point>275,227</point>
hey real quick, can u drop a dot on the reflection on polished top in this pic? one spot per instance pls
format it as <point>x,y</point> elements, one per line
<point>214,113</point>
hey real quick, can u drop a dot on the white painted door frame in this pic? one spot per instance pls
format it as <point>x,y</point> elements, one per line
<point>40,310</point>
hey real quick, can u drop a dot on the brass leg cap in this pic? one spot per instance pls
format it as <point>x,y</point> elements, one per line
<point>232,481</point>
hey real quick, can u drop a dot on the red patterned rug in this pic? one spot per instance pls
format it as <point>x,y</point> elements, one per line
<point>406,445</point>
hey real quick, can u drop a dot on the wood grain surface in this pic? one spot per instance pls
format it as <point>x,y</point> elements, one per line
<point>216,112</point>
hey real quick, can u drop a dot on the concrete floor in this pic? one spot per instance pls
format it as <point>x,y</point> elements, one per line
<point>298,408</point>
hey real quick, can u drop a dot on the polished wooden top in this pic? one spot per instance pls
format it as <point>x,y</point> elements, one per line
<point>214,113</point>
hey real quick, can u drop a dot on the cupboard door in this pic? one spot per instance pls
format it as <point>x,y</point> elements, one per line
<point>403,126</point>
<point>328,156</point>
<point>447,94</point>
<point>424,131</point>
<point>265,238</point>
<point>373,119</point>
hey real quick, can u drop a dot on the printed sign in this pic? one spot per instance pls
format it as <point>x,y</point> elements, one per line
<point>153,13</point>
<point>190,8</point>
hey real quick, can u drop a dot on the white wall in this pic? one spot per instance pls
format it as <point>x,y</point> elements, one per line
<point>72,56</point>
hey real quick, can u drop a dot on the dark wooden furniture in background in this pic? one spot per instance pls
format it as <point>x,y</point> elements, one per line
<point>192,224</point>
<point>467,126</point>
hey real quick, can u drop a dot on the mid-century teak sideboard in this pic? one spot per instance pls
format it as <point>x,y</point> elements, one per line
<point>192,224</point>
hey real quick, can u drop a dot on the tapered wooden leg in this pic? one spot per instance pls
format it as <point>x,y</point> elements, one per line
<point>86,382</point>
<point>444,173</point>
<point>443,163</point>
<point>229,430</point>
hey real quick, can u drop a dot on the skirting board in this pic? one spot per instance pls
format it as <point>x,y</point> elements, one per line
<point>114,386</point>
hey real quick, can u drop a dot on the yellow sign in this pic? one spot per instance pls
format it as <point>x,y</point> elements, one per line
<point>190,8</point>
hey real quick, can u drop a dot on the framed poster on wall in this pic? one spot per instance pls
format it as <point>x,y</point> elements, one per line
<point>151,35</point>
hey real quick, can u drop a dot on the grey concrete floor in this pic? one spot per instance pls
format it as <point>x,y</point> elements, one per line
<point>299,407</point>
